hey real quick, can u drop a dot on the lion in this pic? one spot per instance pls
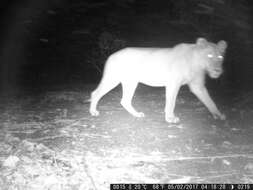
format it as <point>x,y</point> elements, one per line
<point>183,64</point>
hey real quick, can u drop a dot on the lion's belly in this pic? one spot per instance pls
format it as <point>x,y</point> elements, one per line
<point>145,73</point>
<point>153,80</point>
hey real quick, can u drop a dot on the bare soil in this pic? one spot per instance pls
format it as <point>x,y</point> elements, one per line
<point>49,141</point>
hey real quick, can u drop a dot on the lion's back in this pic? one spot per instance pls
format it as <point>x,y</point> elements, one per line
<point>150,65</point>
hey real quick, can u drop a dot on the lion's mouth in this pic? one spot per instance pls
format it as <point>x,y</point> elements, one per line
<point>215,74</point>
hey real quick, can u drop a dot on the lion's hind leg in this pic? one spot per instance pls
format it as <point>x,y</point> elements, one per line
<point>128,89</point>
<point>104,87</point>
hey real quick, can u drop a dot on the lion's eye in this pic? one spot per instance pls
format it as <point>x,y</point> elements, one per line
<point>220,56</point>
<point>210,55</point>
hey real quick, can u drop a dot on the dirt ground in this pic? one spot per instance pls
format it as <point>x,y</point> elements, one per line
<point>49,141</point>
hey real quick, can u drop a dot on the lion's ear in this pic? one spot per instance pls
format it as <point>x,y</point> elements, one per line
<point>222,45</point>
<point>201,41</point>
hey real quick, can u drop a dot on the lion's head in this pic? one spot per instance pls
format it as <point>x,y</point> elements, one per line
<point>212,56</point>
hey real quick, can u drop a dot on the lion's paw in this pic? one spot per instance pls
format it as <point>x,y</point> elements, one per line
<point>173,120</point>
<point>139,114</point>
<point>94,113</point>
<point>219,116</point>
<point>222,117</point>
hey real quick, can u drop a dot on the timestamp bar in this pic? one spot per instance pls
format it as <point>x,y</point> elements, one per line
<point>181,186</point>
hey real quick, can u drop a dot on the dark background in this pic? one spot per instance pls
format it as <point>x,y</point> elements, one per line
<point>56,42</point>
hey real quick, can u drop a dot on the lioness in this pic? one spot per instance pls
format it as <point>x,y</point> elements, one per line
<point>169,67</point>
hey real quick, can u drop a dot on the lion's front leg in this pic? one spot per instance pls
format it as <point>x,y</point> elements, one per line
<point>171,95</point>
<point>201,92</point>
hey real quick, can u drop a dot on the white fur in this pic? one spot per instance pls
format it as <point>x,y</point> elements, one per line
<point>168,67</point>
